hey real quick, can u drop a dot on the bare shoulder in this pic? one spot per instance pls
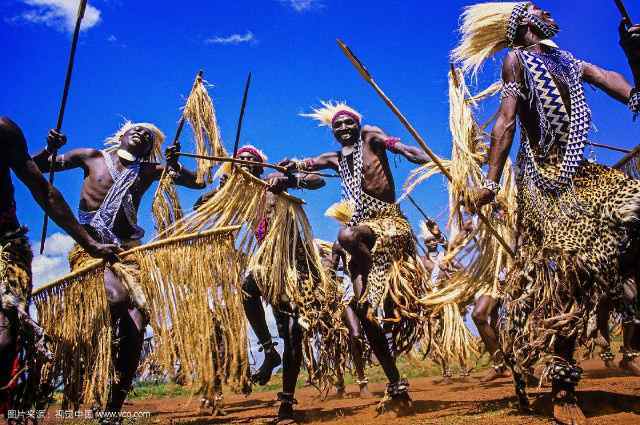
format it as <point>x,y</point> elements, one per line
<point>82,154</point>
<point>511,67</point>
<point>10,130</point>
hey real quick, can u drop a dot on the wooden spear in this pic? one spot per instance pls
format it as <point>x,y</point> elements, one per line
<point>176,138</point>
<point>63,105</point>
<point>245,162</point>
<point>367,76</point>
<point>239,127</point>
<point>624,13</point>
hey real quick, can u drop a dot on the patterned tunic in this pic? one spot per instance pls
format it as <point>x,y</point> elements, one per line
<point>576,220</point>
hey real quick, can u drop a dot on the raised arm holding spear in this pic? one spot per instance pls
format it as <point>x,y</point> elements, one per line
<point>63,104</point>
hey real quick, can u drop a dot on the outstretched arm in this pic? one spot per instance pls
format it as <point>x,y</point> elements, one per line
<point>279,182</point>
<point>325,161</point>
<point>183,176</point>
<point>611,82</point>
<point>377,137</point>
<point>73,159</point>
<point>47,196</point>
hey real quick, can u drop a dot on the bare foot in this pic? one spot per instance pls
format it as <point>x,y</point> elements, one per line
<point>285,415</point>
<point>566,411</point>
<point>340,392</point>
<point>271,360</point>
<point>219,411</point>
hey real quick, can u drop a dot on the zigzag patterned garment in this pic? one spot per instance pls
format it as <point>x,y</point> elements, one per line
<point>365,205</point>
<point>558,124</point>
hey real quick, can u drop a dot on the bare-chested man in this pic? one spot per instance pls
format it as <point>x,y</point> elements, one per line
<point>114,181</point>
<point>17,331</point>
<point>377,238</point>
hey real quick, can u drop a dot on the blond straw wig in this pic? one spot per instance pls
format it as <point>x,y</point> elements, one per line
<point>329,110</point>
<point>483,33</point>
<point>113,142</point>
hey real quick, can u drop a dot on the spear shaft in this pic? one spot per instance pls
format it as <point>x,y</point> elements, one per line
<point>244,162</point>
<point>240,118</point>
<point>367,76</point>
<point>623,12</point>
<point>63,104</point>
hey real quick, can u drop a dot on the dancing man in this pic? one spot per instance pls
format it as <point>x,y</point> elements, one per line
<point>577,221</point>
<point>385,269</point>
<point>115,179</point>
<point>286,311</point>
<point>18,332</point>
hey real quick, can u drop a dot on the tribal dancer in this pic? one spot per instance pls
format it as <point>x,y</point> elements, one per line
<point>22,342</point>
<point>287,314</point>
<point>385,269</point>
<point>577,221</point>
<point>115,179</point>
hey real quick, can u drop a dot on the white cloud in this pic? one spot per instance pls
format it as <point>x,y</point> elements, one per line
<point>302,5</point>
<point>232,39</point>
<point>58,244</point>
<point>53,263</point>
<point>58,14</point>
<point>112,38</point>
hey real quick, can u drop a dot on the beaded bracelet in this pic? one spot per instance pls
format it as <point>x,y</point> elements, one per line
<point>634,102</point>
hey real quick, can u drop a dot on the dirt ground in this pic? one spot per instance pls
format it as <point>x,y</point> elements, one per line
<point>606,396</point>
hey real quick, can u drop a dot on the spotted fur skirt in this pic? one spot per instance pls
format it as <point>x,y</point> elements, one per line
<point>571,253</point>
<point>397,279</point>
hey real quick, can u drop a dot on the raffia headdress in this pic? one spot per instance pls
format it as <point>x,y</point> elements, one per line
<point>486,28</point>
<point>330,110</point>
<point>113,142</point>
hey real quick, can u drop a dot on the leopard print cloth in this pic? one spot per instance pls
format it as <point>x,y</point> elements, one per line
<point>571,247</point>
<point>397,275</point>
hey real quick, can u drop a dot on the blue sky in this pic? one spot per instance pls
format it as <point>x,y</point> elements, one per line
<point>137,59</point>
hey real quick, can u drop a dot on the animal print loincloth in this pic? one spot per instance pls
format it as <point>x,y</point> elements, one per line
<point>570,252</point>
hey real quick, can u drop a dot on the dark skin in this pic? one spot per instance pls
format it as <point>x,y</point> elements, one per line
<point>350,319</point>
<point>288,327</point>
<point>359,240</point>
<point>612,83</point>
<point>630,43</point>
<point>52,202</point>
<point>128,319</point>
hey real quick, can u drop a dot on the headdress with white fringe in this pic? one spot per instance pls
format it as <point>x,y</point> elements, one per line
<point>155,155</point>
<point>330,110</point>
<point>484,32</point>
